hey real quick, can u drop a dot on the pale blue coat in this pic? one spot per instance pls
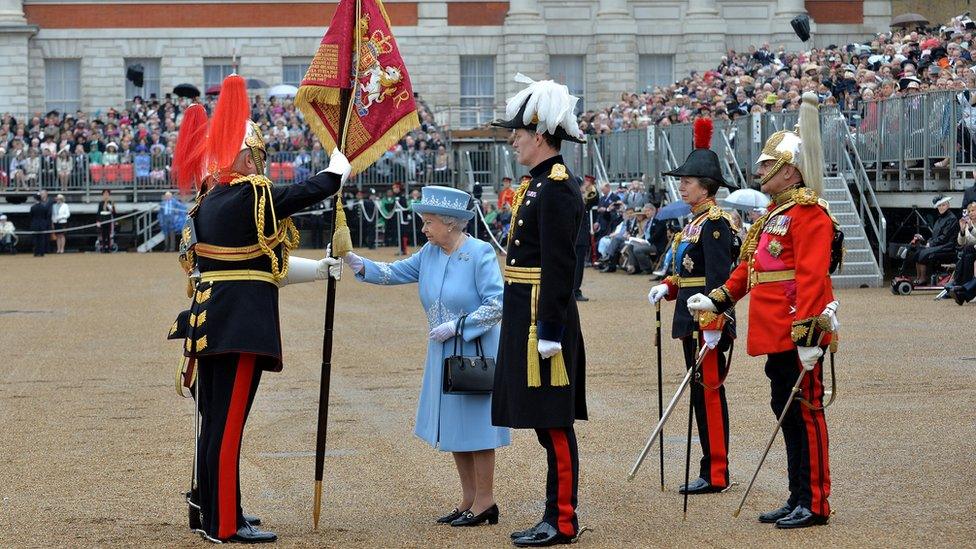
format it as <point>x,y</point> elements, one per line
<point>466,282</point>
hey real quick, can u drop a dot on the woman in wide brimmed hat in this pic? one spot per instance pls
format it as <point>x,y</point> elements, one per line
<point>59,218</point>
<point>458,278</point>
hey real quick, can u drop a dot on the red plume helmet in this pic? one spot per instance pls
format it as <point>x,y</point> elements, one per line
<point>703,133</point>
<point>189,157</point>
<point>228,125</point>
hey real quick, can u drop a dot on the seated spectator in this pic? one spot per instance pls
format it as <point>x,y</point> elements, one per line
<point>646,248</point>
<point>940,248</point>
<point>32,168</point>
<point>611,245</point>
<point>8,236</point>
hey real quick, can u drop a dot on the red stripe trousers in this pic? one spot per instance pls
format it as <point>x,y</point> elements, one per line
<point>562,478</point>
<point>711,411</point>
<point>226,385</point>
<point>804,431</point>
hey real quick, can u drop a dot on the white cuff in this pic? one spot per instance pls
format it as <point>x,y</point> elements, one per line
<point>300,269</point>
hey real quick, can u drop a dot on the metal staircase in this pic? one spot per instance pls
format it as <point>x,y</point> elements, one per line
<point>860,267</point>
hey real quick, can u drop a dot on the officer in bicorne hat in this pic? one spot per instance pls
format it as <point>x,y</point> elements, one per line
<point>539,378</point>
<point>700,260</point>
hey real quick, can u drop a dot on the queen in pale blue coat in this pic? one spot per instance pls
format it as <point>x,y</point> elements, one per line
<point>457,275</point>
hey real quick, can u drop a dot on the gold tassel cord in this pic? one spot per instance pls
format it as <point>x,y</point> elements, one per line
<point>532,351</point>
<point>341,237</point>
<point>557,371</point>
<point>262,193</point>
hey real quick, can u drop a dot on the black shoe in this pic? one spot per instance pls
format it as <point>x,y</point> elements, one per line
<point>527,531</point>
<point>699,486</point>
<point>250,534</point>
<point>452,516</point>
<point>489,515</point>
<point>544,536</point>
<point>196,517</point>
<point>609,269</point>
<point>773,516</point>
<point>580,297</point>
<point>958,294</point>
<point>801,517</point>
<point>252,520</point>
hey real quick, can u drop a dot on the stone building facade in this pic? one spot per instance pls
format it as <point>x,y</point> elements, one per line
<point>460,53</point>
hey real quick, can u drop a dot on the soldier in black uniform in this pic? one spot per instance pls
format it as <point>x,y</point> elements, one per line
<point>701,260</point>
<point>539,378</point>
<point>235,247</point>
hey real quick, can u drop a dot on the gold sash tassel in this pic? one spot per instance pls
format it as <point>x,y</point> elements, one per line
<point>557,374</point>
<point>532,352</point>
<point>558,377</point>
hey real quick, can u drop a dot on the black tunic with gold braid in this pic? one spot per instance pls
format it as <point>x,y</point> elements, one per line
<point>234,306</point>
<point>532,392</point>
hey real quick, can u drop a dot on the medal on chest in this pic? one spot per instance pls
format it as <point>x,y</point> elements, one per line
<point>690,233</point>
<point>687,263</point>
<point>778,225</point>
<point>774,247</point>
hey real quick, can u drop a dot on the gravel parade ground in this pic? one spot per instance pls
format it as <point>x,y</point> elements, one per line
<point>97,446</point>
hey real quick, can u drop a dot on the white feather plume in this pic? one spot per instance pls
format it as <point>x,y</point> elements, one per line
<point>550,103</point>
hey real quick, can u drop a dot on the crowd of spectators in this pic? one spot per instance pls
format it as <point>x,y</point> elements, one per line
<point>58,150</point>
<point>763,79</point>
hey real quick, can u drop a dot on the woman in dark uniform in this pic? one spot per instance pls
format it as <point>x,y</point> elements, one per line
<point>701,259</point>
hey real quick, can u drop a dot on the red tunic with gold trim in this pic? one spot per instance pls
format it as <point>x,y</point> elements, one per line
<point>785,266</point>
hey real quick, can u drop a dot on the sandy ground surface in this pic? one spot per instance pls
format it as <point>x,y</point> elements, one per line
<point>95,446</point>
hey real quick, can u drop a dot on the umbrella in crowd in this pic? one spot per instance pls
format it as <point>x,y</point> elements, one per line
<point>907,20</point>
<point>213,90</point>
<point>746,199</point>
<point>186,90</point>
<point>283,90</point>
<point>674,210</point>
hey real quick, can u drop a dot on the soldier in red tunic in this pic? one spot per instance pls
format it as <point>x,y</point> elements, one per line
<point>785,265</point>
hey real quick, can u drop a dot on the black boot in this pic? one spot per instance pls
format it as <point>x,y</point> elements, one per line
<point>250,534</point>
<point>544,536</point>
<point>773,516</point>
<point>527,531</point>
<point>699,486</point>
<point>801,517</point>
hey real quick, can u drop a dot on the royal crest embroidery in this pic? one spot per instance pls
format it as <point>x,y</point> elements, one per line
<point>778,225</point>
<point>716,234</point>
<point>558,173</point>
<point>688,263</point>
<point>775,247</point>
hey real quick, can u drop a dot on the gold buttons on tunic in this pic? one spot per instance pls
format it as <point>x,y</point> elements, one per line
<point>512,262</point>
<point>527,202</point>
<point>517,243</point>
<point>520,222</point>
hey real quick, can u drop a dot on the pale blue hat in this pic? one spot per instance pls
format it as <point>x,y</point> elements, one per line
<point>444,201</point>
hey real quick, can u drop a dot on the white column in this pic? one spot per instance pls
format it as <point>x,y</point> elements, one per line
<point>702,7</point>
<point>612,68</point>
<point>12,12</point>
<point>789,8</point>
<point>523,9</point>
<point>704,38</point>
<point>614,8</point>
<point>523,48</point>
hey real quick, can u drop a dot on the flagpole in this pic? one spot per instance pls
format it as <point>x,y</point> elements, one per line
<point>327,337</point>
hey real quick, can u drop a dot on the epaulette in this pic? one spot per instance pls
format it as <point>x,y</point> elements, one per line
<point>805,196</point>
<point>558,173</point>
<point>715,213</point>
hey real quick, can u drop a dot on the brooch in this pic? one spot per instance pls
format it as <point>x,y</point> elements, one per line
<point>464,256</point>
<point>775,247</point>
<point>688,263</point>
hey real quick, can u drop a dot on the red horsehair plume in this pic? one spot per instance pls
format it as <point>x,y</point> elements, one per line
<point>227,126</point>
<point>188,158</point>
<point>703,133</point>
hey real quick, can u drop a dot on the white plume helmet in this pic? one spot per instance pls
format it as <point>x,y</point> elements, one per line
<point>548,106</point>
<point>811,148</point>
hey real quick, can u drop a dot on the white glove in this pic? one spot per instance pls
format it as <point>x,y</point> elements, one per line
<point>339,165</point>
<point>831,313</point>
<point>712,337</point>
<point>657,293</point>
<point>443,332</point>
<point>809,356</point>
<point>701,302</point>
<point>549,348</point>
<point>355,262</point>
<point>328,266</point>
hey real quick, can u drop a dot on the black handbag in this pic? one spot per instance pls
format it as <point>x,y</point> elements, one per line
<point>468,375</point>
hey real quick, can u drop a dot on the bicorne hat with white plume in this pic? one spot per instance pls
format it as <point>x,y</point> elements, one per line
<point>543,106</point>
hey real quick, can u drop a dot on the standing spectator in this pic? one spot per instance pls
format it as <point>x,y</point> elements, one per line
<point>65,167</point>
<point>32,168</point>
<point>635,197</point>
<point>105,221</point>
<point>49,168</point>
<point>442,165</point>
<point>60,212</point>
<point>40,216</point>
<point>506,194</point>
<point>172,216</point>
<point>8,236</point>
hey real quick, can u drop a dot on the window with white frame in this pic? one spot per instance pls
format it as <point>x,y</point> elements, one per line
<point>568,70</point>
<point>477,89</point>
<point>293,70</point>
<point>62,84</point>
<point>150,78</point>
<point>214,71</point>
<point>655,70</point>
